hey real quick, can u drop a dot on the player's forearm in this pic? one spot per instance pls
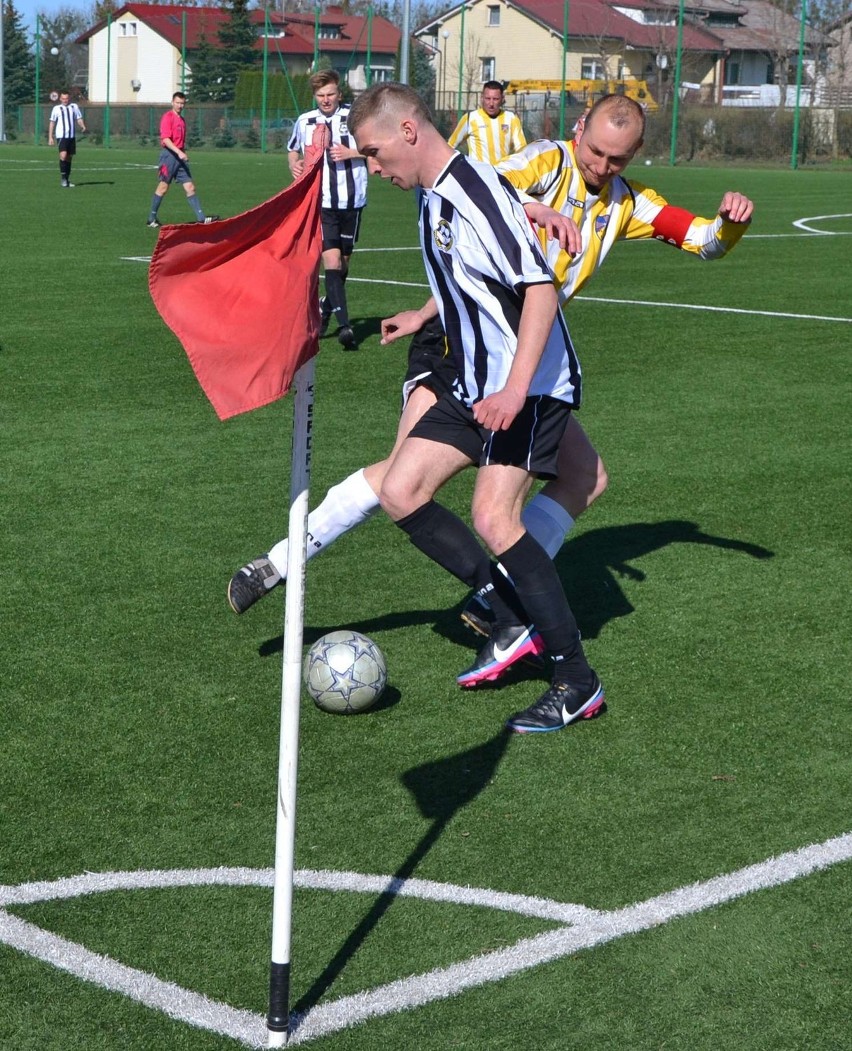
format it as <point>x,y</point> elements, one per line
<point>428,310</point>
<point>170,145</point>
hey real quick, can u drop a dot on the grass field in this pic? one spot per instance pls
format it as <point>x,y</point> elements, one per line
<point>140,716</point>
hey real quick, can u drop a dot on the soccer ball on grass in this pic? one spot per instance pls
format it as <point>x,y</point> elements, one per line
<point>345,672</point>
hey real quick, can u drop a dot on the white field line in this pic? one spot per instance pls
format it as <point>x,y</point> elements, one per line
<point>586,928</point>
<point>593,299</point>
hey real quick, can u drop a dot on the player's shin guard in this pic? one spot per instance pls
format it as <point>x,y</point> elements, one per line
<point>445,538</point>
<point>540,591</point>
<point>548,522</point>
<point>336,295</point>
<point>344,507</point>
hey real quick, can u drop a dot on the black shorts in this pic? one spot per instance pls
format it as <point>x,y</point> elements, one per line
<point>532,441</point>
<point>68,146</point>
<point>340,229</point>
<point>429,362</point>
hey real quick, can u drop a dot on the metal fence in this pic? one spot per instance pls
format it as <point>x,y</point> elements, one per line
<point>705,133</point>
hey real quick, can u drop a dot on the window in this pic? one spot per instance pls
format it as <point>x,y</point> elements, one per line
<point>591,69</point>
<point>127,28</point>
<point>329,32</point>
<point>732,73</point>
<point>487,70</point>
<point>494,14</point>
<point>380,75</point>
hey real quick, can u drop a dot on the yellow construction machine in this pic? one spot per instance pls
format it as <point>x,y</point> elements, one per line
<point>586,92</point>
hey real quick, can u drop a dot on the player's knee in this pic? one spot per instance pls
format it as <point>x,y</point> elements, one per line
<point>492,527</point>
<point>396,498</point>
<point>189,188</point>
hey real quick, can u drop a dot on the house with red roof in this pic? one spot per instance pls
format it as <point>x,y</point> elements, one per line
<point>608,40</point>
<point>138,55</point>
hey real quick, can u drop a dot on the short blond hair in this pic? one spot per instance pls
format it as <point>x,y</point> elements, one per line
<point>382,100</point>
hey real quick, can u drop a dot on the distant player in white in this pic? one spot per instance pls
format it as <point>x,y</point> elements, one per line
<point>65,119</point>
<point>344,194</point>
<point>518,378</point>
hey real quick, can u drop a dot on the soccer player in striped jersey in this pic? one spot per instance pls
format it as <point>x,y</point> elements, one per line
<point>491,132</point>
<point>65,119</point>
<point>518,379</point>
<point>582,181</point>
<point>580,187</point>
<point>344,195</point>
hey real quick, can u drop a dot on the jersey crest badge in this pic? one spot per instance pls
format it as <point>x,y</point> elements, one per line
<point>444,235</point>
<point>601,223</point>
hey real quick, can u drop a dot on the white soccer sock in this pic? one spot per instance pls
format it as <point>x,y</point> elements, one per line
<point>548,522</point>
<point>345,506</point>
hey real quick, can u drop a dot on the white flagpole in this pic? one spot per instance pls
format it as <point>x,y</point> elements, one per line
<point>278,1018</point>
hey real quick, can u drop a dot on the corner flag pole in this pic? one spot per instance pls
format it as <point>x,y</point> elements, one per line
<point>278,1017</point>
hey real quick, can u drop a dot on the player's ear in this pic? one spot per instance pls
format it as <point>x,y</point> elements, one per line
<point>408,127</point>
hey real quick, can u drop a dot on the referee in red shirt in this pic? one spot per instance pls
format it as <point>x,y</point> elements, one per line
<point>173,166</point>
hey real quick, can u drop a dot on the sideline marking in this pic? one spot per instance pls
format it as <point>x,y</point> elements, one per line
<point>593,299</point>
<point>584,928</point>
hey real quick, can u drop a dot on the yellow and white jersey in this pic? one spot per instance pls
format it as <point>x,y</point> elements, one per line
<point>546,172</point>
<point>489,138</point>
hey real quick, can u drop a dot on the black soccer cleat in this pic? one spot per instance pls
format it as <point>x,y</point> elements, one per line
<point>251,583</point>
<point>346,338</point>
<point>478,615</point>
<point>559,706</point>
<point>506,647</point>
<point>325,315</point>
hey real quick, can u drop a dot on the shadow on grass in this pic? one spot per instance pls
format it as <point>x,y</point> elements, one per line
<point>590,566</point>
<point>363,327</point>
<point>441,789</point>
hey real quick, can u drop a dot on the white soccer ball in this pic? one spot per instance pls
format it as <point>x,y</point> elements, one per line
<point>345,672</point>
<point>648,164</point>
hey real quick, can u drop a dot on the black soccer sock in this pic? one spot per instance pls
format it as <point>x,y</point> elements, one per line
<point>445,538</point>
<point>540,591</point>
<point>336,295</point>
<point>64,168</point>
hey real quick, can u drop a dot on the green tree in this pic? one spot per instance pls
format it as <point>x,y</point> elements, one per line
<point>68,67</point>
<point>18,60</point>
<point>203,61</point>
<point>103,8</point>
<point>237,37</point>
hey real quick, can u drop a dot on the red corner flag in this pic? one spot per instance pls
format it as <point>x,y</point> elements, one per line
<point>242,294</point>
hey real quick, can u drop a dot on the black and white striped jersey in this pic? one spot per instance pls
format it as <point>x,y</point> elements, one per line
<point>344,183</point>
<point>65,118</point>
<point>480,252</point>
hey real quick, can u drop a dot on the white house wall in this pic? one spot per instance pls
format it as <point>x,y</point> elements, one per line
<point>146,58</point>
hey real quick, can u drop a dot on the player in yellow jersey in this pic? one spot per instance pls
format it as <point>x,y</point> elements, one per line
<point>491,132</point>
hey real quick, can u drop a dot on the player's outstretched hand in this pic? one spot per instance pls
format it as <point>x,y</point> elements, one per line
<point>736,208</point>
<point>498,410</point>
<point>557,226</point>
<point>406,323</point>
